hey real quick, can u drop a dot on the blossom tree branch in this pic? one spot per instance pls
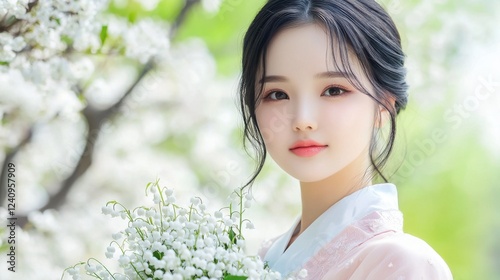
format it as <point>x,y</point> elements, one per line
<point>182,16</point>
<point>95,118</point>
<point>8,158</point>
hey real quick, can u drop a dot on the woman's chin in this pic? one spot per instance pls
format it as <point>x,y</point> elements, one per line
<point>310,177</point>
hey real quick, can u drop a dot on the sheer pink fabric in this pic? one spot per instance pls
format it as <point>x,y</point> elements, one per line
<point>374,248</point>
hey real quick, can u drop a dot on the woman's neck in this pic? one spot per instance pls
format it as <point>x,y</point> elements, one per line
<point>318,196</point>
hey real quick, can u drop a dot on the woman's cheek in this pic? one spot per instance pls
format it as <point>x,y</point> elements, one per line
<point>263,122</point>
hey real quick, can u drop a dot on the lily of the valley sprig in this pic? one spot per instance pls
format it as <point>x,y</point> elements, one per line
<point>168,241</point>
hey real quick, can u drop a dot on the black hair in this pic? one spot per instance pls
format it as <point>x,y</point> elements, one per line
<point>361,27</point>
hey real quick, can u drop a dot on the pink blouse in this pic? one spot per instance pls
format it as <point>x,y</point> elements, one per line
<point>373,247</point>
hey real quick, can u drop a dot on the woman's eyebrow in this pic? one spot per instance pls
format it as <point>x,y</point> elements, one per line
<point>327,74</point>
<point>273,78</point>
<point>333,74</point>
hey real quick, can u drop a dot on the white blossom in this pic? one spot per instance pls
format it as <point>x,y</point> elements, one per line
<point>211,5</point>
<point>45,57</point>
<point>146,31</point>
<point>249,225</point>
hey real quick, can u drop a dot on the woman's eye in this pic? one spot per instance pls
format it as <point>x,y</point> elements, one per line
<point>276,95</point>
<point>334,91</point>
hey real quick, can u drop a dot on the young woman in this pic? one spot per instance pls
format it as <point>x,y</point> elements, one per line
<point>321,81</point>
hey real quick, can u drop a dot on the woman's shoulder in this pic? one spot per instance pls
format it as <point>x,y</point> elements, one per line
<point>398,256</point>
<point>405,247</point>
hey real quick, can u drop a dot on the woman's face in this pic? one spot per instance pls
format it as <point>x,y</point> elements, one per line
<point>305,97</point>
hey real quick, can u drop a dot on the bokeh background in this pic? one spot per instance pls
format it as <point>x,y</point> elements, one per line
<point>181,124</point>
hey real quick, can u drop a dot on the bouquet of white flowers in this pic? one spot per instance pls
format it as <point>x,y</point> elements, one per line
<point>168,241</point>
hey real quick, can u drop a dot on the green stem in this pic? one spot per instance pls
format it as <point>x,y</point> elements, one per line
<point>190,212</point>
<point>109,272</point>
<point>136,271</point>
<point>241,214</point>
<point>64,271</point>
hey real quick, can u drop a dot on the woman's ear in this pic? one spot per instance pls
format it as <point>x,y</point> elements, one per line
<point>383,114</point>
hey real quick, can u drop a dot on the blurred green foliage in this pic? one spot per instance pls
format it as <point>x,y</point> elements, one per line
<point>447,187</point>
<point>446,192</point>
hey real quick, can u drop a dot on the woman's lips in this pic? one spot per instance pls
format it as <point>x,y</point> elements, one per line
<point>307,148</point>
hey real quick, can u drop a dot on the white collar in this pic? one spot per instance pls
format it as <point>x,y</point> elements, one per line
<point>378,197</point>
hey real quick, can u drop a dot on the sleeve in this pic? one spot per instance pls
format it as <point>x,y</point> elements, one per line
<point>401,257</point>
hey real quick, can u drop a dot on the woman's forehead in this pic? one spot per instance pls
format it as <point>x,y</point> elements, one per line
<point>310,47</point>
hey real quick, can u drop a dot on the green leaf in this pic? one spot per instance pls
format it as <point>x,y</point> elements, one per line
<point>232,236</point>
<point>158,255</point>
<point>232,277</point>
<point>66,39</point>
<point>104,34</point>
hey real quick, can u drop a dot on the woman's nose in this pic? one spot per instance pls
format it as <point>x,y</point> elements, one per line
<point>305,116</point>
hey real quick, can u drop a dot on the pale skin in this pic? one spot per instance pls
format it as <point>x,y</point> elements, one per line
<point>306,98</point>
